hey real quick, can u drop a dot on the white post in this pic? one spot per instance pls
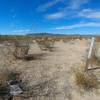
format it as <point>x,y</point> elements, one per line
<point>90,52</point>
<point>91,47</point>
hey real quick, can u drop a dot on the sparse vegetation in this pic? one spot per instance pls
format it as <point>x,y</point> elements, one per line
<point>46,78</point>
<point>46,44</point>
<point>46,88</point>
<point>86,81</point>
<point>21,50</point>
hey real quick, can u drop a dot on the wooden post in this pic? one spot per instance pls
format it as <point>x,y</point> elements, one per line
<point>90,53</point>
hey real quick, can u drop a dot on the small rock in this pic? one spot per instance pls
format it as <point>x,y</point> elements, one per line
<point>15,88</point>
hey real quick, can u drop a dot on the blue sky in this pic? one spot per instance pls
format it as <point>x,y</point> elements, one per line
<point>53,16</point>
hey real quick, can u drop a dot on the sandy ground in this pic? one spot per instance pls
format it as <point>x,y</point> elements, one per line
<point>56,66</point>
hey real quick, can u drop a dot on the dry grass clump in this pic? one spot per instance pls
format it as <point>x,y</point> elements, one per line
<point>86,81</point>
<point>45,44</point>
<point>45,89</point>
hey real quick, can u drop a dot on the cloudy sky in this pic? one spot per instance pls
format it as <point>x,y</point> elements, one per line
<point>53,16</point>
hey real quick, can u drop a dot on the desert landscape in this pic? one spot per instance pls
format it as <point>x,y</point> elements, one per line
<point>49,49</point>
<point>48,68</point>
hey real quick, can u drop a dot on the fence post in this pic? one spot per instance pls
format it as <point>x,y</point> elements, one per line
<point>90,53</point>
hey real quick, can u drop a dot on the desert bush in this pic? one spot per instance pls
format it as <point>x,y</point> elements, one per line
<point>45,44</point>
<point>86,81</point>
<point>21,49</point>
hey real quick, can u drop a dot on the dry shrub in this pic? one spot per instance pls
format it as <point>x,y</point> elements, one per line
<point>86,81</point>
<point>44,89</point>
<point>45,44</point>
<point>21,50</point>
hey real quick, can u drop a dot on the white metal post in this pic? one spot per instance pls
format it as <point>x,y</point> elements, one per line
<point>90,52</point>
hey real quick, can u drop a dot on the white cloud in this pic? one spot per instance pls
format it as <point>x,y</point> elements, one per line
<point>22,31</point>
<point>45,6</point>
<point>79,25</point>
<point>56,15</point>
<point>69,10</point>
<point>71,4</point>
<point>76,4</point>
<point>89,13</point>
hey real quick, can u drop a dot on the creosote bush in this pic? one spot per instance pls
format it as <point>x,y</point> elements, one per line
<point>86,81</point>
<point>46,44</point>
<point>21,50</point>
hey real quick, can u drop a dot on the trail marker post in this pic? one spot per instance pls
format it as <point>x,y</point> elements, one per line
<point>90,53</point>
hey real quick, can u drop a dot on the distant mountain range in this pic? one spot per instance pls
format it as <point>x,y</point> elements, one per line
<point>55,34</point>
<point>45,34</point>
<point>52,34</point>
